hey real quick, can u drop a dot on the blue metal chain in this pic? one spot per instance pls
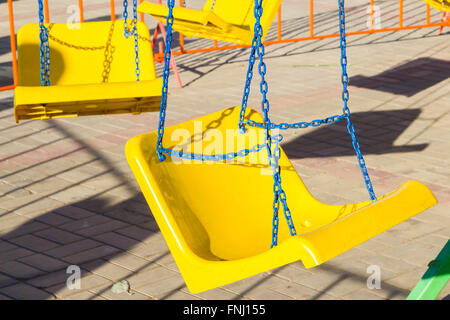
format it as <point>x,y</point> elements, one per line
<point>271,142</point>
<point>161,151</point>
<point>44,48</point>
<point>214,157</point>
<point>163,105</point>
<point>248,82</point>
<point>274,155</point>
<point>297,125</point>
<point>345,98</point>
<point>279,194</point>
<point>133,31</point>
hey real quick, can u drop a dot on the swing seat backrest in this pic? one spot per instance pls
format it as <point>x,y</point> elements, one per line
<point>240,12</point>
<point>85,53</point>
<point>229,21</point>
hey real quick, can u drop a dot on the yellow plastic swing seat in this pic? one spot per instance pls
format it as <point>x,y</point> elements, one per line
<point>440,5</point>
<point>216,217</point>
<point>92,72</point>
<point>229,21</point>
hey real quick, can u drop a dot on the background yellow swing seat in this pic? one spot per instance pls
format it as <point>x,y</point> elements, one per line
<point>92,72</point>
<point>229,21</point>
<point>440,5</point>
<point>216,217</point>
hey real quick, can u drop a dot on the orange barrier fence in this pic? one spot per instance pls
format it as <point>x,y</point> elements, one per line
<point>215,46</point>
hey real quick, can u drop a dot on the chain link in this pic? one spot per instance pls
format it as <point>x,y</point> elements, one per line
<point>212,6</point>
<point>44,48</point>
<point>297,125</point>
<point>345,98</point>
<point>74,46</point>
<point>275,152</point>
<point>134,32</point>
<point>213,157</point>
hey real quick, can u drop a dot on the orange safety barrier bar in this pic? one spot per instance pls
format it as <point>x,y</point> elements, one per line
<point>216,47</point>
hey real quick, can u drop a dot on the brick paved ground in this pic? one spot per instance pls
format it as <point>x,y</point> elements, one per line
<point>68,197</point>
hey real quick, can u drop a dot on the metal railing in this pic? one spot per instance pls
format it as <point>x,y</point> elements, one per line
<point>215,45</point>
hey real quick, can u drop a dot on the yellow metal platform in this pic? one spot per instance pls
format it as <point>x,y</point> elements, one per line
<point>441,5</point>
<point>217,217</point>
<point>92,72</point>
<point>230,20</point>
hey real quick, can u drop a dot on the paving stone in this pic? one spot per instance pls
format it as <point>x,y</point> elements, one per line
<point>34,243</point>
<point>414,252</point>
<point>388,263</point>
<point>53,219</point>
<point>51,279</point>
<point>73,194</point>
<point>107,270</point>
<point>73,248</point>
<point>107,293</point>
<point>255,283</point>
<point>122,214</point>
<point>295,291</point>
<point>19,270</point>
<point>438,241</point>
<point>6,246</point>
<point>136,233</point>
<point>36,207</point>
<point>409,279</point>
<point>163,289</point>
<point>117,240</point>
<point>90,254</point>
<point>150,275</point>
<point>74,212</point>
<point>85,223</point>
<point>11,220</point>
<point>180,295</point>
<point>27,228</point>
<point>363,294</point>
<point>58,236</point>
<point>14,254</point>
<point>291,273</point>
<point>149,251</point>
<point>269,295</point>
<point>412,229</point>
<point>84,295</point>
<point>87,282</point>
<point>217,294</point>
<point>131,262</point>
<point>101,228</point>
<point>23,291</point>
<point>6,281</point>
<point>43,262</point>
<point>334,282</point>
